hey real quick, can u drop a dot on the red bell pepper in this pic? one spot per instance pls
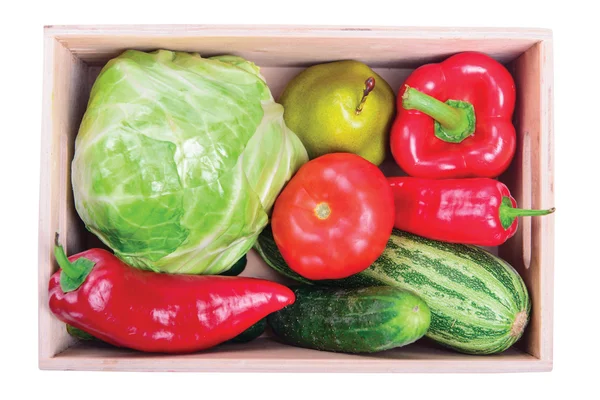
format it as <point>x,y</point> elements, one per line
<point>454,119</point>
<point>479,211</point>
<point>127,307</point>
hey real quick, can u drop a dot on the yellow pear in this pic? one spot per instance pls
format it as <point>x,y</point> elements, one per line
<point>341,106</point>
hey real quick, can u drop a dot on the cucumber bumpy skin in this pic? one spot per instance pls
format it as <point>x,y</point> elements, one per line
<point>364,320</point>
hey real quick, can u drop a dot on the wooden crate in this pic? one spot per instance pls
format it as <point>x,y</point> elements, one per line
<point>73,58</point>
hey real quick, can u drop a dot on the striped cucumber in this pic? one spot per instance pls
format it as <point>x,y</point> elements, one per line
<point>479,304</point>
<point>362,320</point>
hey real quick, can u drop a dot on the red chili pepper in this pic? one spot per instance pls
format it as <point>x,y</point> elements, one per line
<point>477,211</point>
<point>96,292</point>
<point>454,119</point>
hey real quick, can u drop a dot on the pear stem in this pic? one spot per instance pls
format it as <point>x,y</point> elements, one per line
<point>369,86</point>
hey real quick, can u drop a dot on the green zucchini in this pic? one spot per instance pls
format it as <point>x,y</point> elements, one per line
<point>363,320</point>
<point>479,304</point>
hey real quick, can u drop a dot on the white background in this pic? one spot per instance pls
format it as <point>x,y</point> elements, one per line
<point>577,131</point>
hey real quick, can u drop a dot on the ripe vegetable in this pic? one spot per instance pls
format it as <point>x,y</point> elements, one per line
<point>479,304</point>
<point>478,211</point>
<point>365,320</point>
<point>168,313</point>
<point>455,119</point>
<point>179,159</point>
<point>334,217</point>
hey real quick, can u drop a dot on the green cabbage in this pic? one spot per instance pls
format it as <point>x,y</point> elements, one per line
<point>179,159</point>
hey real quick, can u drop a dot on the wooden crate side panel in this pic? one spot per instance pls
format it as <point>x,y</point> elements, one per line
<point>300,46</point>
<point>530,179</point>
<point>65,99</point>
<point>517,250</point>
<point>266,355</point>
<point>543,240</point>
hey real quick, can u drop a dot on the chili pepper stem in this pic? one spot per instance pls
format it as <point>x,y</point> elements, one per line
<point>369,86</point>
<point>454,120</point>
<point>72,274</point>
<point>61,258</point>
<point>508,213</point>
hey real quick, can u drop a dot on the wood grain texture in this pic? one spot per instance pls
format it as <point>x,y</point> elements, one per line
<point>300,46</point>
<point>543,228</point>
<point>73,58</point>
<point>531,180</point>
<point>46,341</point>
<point>65,97</point>
<point>267,355</point>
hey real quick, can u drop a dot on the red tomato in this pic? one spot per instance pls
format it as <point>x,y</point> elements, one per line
<point>334,217</point>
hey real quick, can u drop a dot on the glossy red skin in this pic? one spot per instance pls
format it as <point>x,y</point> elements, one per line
<point>452,210</point>
<point>356,232</point>
<point>472,77</point>
<point>164,313</point>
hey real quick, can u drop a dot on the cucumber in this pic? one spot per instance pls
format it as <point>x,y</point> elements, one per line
<point>363,320</point>
<point>479,304</point>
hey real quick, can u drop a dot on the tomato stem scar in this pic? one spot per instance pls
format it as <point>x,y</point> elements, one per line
<point>322,211</point>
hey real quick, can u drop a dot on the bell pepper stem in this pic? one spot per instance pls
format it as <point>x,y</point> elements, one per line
<point>72,274</point>
<point>454,120</point>
<point>508,213</point>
